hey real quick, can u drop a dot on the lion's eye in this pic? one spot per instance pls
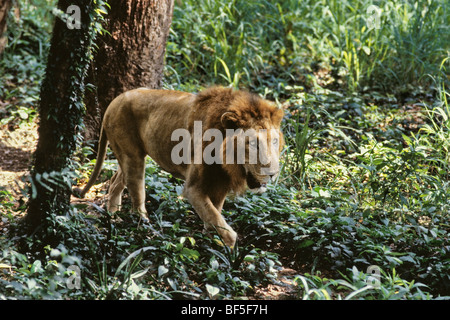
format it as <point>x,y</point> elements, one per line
<point>253,143</point>
<point>275,140</point>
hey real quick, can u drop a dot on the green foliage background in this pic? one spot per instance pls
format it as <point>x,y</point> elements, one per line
<point>365,178</point>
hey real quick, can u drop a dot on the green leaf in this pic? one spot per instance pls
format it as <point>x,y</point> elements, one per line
<point>22,114</point>
<point>36,267</point>
<point>366,50</point>
<point>212,291</point>
<point>162,270</point>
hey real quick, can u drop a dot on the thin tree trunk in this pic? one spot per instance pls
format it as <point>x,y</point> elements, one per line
<point>130,56</point>
<point>60,114</point>
<point>5,5</point>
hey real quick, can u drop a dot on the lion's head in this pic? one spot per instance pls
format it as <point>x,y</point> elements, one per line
<point>253,140</point>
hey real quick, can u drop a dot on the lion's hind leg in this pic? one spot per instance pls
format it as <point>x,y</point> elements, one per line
<point>115,191</point>
<point>133,169</point>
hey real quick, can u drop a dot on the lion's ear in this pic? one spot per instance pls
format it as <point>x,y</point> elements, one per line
<point>277,116</point>
<point>230,120</point>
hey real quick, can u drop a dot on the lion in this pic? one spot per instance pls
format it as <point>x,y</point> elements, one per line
<point>143,121</point>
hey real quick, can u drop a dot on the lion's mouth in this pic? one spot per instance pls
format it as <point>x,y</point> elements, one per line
<point>253,183</point>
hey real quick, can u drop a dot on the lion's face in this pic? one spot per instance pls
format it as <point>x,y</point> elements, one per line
<point>255,144</point>
<point>262,153</point>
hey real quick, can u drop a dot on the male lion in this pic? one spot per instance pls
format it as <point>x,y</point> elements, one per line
<point>142,122</point>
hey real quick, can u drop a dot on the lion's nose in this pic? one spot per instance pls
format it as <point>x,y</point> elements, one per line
<point>270,173</point>
<point>269,170</point>
<point>273,175</point>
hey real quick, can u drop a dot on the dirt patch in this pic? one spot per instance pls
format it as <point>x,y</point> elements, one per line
<point>283,289</point>
<point>16,148</point>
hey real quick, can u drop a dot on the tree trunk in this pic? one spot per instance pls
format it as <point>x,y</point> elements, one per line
<point>60,113</point>
<point>5,5</point>
<point>130,56</point>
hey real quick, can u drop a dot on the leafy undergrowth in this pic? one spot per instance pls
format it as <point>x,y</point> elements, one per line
<point>360,209</point>
<point>331,233</point>
<point>365,216</point>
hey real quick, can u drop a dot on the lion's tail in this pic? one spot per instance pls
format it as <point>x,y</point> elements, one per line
<point>101,153</point>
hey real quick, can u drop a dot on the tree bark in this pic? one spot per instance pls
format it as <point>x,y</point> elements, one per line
<point>5,5</point>
<point>130,56</point>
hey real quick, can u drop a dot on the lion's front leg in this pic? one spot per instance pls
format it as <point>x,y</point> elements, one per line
<point>209,214</point>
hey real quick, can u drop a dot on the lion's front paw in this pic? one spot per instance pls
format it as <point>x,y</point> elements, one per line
<point>228,235</point>
<point>143,216</point>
